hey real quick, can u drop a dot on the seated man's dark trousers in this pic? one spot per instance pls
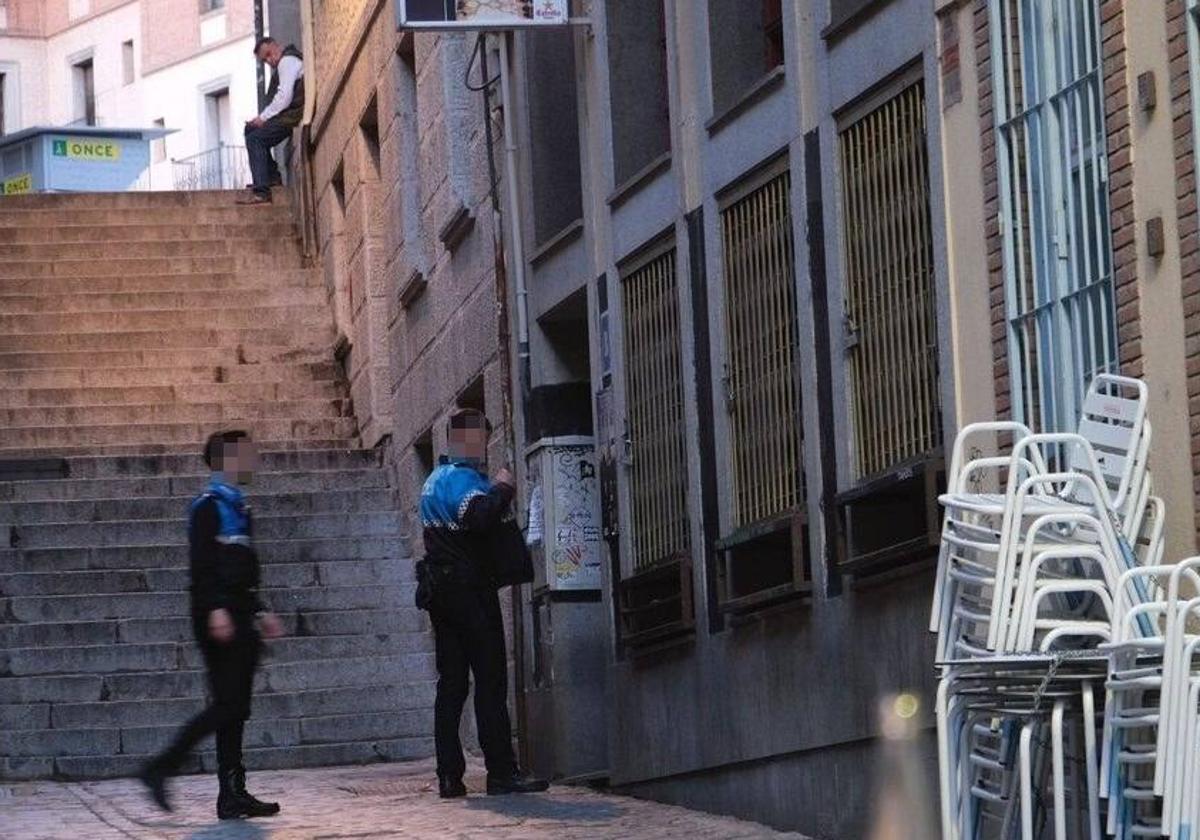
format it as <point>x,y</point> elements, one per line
<point>469,636</point>
<point>264,172</point>
<point>230,678</point>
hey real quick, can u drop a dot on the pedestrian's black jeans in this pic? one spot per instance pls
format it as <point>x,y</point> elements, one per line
<point>231,680</point>
<point>469,638</point>
<point>259,141</point>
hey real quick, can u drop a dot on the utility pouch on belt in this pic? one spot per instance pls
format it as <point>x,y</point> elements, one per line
<point>430,578</point>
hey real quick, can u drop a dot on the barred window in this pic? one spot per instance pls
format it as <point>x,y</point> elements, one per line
<point>654,407</point>
<point>761,372</point>
<point>1054,211</point>
<point>889,298</point>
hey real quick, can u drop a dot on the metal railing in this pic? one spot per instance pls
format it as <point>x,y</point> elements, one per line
<point>761,385</point>
<point>654,404</point>
<point>889,285</point>
<point>221,168</point>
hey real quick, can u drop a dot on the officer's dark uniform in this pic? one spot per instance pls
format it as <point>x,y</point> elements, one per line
<point>225,575</point>
<point>460,512</point>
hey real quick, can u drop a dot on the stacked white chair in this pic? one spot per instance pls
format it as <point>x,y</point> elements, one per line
<point>1051,599</point>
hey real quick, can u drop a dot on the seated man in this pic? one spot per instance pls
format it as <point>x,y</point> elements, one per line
<point>274,125</point>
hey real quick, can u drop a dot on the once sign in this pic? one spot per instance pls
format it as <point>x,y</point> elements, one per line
<point>18,185</point>
<point>81,149</point>
<point>481,14</point>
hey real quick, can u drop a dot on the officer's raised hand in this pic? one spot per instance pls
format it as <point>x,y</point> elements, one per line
<point>220,626</point>
<point>504,476</point>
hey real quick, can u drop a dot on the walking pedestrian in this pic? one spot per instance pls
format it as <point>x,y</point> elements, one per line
<point>464,516</point>
<point>225,608</point>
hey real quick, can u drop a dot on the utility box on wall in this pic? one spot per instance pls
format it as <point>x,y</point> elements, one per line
<point>564,511</point>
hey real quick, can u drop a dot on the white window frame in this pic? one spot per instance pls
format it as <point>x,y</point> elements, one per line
<point>1056,232</point>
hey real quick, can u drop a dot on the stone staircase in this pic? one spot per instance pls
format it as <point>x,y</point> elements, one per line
<point>131,326</point>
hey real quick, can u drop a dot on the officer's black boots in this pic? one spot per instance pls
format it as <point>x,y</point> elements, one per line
<point>449,788</point>
<point>518,782</point>
<point>234,802</point>
<point>154,777</point>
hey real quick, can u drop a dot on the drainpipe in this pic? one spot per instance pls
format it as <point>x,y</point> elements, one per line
<point>518,252</point>
<point>514,218</point>
<point>307,188</point>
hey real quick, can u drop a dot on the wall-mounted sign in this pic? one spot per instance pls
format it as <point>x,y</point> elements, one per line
<point>83,148</point>
<point>18,184</point>
<point>480,14</point>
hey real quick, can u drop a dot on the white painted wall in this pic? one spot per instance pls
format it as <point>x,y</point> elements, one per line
<point>39,85</point>
<point>176,95</point>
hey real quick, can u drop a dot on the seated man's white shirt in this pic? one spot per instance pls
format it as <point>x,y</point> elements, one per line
<point>289,70</point>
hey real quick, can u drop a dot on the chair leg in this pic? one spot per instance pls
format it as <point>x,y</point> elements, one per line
<point>1089,754</point>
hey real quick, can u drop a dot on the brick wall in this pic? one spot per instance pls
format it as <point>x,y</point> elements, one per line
<point>1122,222</point>
<point>171,29</point>
<point>1180,90</point>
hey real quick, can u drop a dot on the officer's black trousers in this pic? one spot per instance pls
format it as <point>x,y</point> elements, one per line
<point>230,679</point>
<point>469,637</point>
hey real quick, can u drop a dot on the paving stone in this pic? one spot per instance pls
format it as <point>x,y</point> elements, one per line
<point>379,801</point>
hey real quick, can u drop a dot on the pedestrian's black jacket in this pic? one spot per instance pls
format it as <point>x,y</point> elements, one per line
<point>225,570</point>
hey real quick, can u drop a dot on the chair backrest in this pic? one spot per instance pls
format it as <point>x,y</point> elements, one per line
<point>1114,422</point>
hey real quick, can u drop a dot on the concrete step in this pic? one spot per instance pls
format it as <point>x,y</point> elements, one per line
<point>145,200</point>
<point>187,436</point>
<point>298,336</point>
<point>173,656</point>
<point>70,217</point>
<point>275,455</point>
<point>185,487</point>
<point>260,732</point>
<point>250,228</point>
<point>218,282</point>
<point>182,394</point>
<point>102,362</point>
<point>289,677</point>
<point>134,509</point>
<point>393,621</point>
<point>40,416</point>
<point>221,262</point>
<point>125,557</point>
<point>350,571</point>
<point>236,316</point>
<point>391,699</point>
<point>102,250</point>
<point>42,608</point>
<point>151,448</point>
<point>165,531</point>
<point>69,307</point>
<point>70,379</point>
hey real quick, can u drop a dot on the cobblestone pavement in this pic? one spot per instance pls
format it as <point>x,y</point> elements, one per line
<point>375,802</point>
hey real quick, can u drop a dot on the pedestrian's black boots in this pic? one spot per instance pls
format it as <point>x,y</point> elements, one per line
<point>154,777</point>
<point>449,788</point>
<point>516,783</point>
<point>234,802</point>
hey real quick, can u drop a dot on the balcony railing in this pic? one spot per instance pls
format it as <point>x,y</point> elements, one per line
<point>221,168</point>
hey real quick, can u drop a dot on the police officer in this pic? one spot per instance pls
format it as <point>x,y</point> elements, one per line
<point>225,610</point>
<point>463,515</point>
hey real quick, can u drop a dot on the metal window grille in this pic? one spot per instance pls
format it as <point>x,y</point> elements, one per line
<point>762,393</point>
<point>1054,219</point>
<point>654,405</point>
<point>889,296</point>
